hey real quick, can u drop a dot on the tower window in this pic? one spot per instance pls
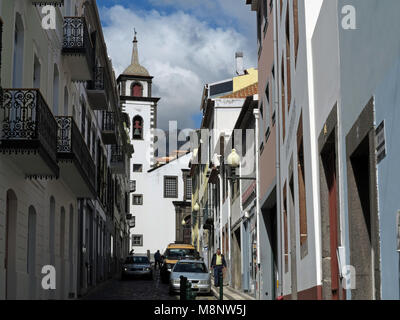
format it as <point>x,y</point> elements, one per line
<point>137,90</point>
<point>137,128</point>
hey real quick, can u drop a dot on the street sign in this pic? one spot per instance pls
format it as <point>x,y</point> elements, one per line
<point>380,142</point>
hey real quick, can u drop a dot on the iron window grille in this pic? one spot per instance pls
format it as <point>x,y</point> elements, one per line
<point>137,200</point>
<point>170,187</point>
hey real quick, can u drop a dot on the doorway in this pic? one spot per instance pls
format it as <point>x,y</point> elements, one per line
<point>363,206</point>
<point>31,256</point>
<point>11,245</point>
<point>331,220</point>
<point>293,242</point>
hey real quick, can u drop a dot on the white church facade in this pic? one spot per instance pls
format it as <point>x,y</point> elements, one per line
<point>156,187</point>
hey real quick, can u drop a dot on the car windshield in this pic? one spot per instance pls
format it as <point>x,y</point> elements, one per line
<point>180,253</point>
<point>190,267</point>
<point>131,260</point>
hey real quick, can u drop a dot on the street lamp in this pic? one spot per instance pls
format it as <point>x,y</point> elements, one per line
<point>196,207</point>
<point>233,159</point>
<point>183,222</point>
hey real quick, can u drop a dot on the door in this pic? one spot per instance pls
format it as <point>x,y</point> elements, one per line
<point>293,242</point>
<point>10,249</point>
<point>246,259</point>
<point>333,225</point>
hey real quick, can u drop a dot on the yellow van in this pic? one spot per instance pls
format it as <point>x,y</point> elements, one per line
<point>172,254</point>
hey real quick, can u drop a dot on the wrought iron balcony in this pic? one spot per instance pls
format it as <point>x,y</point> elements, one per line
<point>131,222</point>
<point>132,185</point>
<point>108,132</point>
<point>48,2</point>
<point>117,161</point>
<point>29,133</point>
<point>207,218</point>
<point>97,90</point>
<point>76,164</point>
<point>78,49</point>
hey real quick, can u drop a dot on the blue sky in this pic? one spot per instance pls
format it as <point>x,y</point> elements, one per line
<point>183,43</point>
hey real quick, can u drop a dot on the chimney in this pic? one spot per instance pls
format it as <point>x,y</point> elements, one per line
<point>239,63</point>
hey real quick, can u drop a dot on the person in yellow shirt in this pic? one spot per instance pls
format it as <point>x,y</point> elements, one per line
<point>218,263</point>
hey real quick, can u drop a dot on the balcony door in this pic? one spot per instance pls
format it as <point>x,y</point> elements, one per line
<point>18,56</point>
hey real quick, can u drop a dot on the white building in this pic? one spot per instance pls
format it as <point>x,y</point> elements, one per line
<point>155,188</point>
<point>56,159</point>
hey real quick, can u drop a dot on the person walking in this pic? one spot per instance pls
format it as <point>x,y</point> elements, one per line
<point>158,260</point>
<point>218,264</point>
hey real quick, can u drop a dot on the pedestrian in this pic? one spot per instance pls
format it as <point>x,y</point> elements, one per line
<point>218,264</point>
<point>158,260</point>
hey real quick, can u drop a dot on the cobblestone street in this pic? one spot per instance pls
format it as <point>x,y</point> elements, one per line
<point>136,289</point>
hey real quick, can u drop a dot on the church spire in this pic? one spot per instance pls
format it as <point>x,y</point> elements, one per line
<point>135,69</point>
<point>135,52</point>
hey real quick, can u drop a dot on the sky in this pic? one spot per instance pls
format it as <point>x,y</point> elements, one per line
<point>184,44</point>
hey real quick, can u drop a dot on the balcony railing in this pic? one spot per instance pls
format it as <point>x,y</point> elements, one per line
<point>76,42</point>
<point>117,161</point>
<point>48,2</point>
<point>132,222</point>
<point>71,146</point>
<point>117,154</point>
<point>108,121</point>
<point>97,89</point>
<point>27,125</point>
<point>108,128</point>
<point>132,185</point>
<point>98,82</point>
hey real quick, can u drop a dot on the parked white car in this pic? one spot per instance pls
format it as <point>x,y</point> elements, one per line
<point>195,271</point>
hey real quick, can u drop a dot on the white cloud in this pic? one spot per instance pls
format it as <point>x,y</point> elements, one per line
<point>180,50</point>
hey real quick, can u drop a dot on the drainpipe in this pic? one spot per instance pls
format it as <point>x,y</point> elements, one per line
<point>256,113</point>
<point>220,208</point>
<point>241,223</point>
<point>229,231</point>
<point>278,139</point>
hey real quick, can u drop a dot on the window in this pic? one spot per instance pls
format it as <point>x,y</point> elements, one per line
<point>296,28</point>
<point>137,168</point>
<point>83,119</point>
<point>285,229</point>
<point>137,200</point>
<point>302,185</point>
<point>259,31</point>
<point>137,240</point>
<point>137,128</point>
<point>188,188</point>
<point>265,13</point>
<point>36,73</point>
<point>283,98</point>
<point>93,141</point>
<point>18,52</point>
<point>267,107</point>
<point>170,187</point>
<point>137,90</point>
<point>398,231</point>
<point>288,66</point>
<point>56,90</point>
